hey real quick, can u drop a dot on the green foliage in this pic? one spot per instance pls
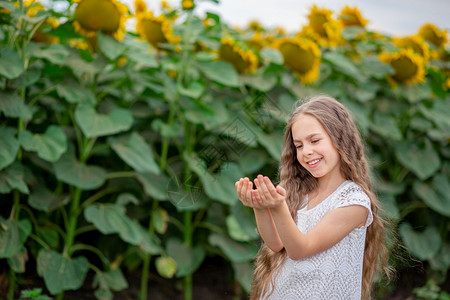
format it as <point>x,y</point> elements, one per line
<point>117,154</point>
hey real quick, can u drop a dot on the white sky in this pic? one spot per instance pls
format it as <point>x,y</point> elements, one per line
<point>393,17</point>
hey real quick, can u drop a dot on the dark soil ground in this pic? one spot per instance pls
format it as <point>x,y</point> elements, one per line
<point>213,281</point>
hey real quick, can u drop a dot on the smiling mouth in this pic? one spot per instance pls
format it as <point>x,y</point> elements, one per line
<point>314,162</point>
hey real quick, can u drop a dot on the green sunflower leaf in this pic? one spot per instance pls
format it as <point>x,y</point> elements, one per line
<point>112,218</point>
<point>386,127</point>
<point>220,71</point>
<point>8,146</point>
<point>11,65</point>
<point>135,152</point>
<point>110,46</point>
<point>61,273</point>
<point>343,64</point>
<point>13,178</point>
<point>49,146</point>
<point>73,92</point>
<point>70,171</point>
<point>55,53</point>
<point>422,161</point>
<point>436,195</point>
<point>12,106</point>
<point>235,251</point>
<point>423,245</point>
<point>187,259</point>
<point>13,235</point>
<point>94,124</point>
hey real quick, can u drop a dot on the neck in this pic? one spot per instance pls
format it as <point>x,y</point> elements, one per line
<point>329,184</point>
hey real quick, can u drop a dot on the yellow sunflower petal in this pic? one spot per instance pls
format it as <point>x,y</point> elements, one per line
<point>187,4</point>
<point>415,43</point>
<point>408,67</point>
<point>155,30</point>
<point>322,28</point>
<point>244,61</point>
<point>432,34</point>
<point>140,6</point>
<point>351,16</point>
<point>302,57</point>
<point>317,18</point>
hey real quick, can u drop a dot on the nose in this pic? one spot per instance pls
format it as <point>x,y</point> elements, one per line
<point>307,150</point>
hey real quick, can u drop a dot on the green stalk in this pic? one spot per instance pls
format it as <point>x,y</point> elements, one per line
<point>12,281</point>
<point>75,207</point>
<point>188,241</point>
<point>188,228</point>
<point>148,256</point>
<point>165,143</point>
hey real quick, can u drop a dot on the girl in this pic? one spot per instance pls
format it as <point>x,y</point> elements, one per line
<point>323,236</point>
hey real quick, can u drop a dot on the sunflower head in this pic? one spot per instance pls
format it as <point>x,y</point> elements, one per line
<point>318,17</point>
<point>432,34</point>
<point>322,27</point>
<point>415,43</point>
<point>408,67</point>
<point>155,30</point>
<point>108,16</point>
<point>302,57</point>
<point>42,34</point>
<point>187,4</point>
<point>351,16</point>
<point>140,7</point>
<point>255,26</point>
<point>244,61</point>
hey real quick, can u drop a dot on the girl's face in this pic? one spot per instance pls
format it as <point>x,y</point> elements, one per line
<point>315,150</point>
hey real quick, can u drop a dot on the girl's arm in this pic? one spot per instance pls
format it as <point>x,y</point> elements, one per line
<point>267,229</point>
<point>264,221</point>
<point>333,227</point>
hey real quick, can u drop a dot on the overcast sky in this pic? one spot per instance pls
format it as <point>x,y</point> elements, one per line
<point>393,17</point>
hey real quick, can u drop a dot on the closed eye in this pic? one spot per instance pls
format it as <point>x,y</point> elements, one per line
<point>298,146</point>
<point>315,141</point>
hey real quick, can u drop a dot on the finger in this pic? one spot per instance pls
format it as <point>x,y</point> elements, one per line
<point>281,190</point>
<point>270,187</point>
<point>256,199</point>
<point>259,186</point>
<point>249,191</point>
<point>244,189</point>
<point>239,187</point>
<point>264,188</point>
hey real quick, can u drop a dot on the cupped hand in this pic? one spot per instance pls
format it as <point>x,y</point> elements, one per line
<point>245,193</point>
<point>266,194</point>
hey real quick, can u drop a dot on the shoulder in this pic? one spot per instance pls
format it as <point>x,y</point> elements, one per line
<point>353,194</point>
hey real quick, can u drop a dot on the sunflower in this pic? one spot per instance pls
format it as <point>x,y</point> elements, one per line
<point>255,26</point>
<point>187,4</point>
<point>322,27</point>
<point>302,57</point>
<point>140,7</point>
<point>155,30</point>
<point>108,16</point>
<point>352,17</point>
<point>244,61</point>
<point>408,67</point>
<point>42,36</point>
<point>414,42</point>
<point>432,34</point>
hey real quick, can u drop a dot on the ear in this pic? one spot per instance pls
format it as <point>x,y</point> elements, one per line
<point>281,190</point>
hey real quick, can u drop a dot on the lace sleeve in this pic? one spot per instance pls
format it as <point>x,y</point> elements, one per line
<point>355,195</point>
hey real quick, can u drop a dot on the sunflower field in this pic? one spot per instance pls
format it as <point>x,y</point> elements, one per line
<point>120,145</point>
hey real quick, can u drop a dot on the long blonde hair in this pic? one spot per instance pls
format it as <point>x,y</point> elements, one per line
<point>298,182</point>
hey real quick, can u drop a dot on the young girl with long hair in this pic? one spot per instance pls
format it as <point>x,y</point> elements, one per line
<point>323,237</point>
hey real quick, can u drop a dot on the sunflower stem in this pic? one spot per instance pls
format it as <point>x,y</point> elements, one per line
<point>148,256</point>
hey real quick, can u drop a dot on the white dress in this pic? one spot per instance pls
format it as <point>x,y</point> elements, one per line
<point>336,273</point>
